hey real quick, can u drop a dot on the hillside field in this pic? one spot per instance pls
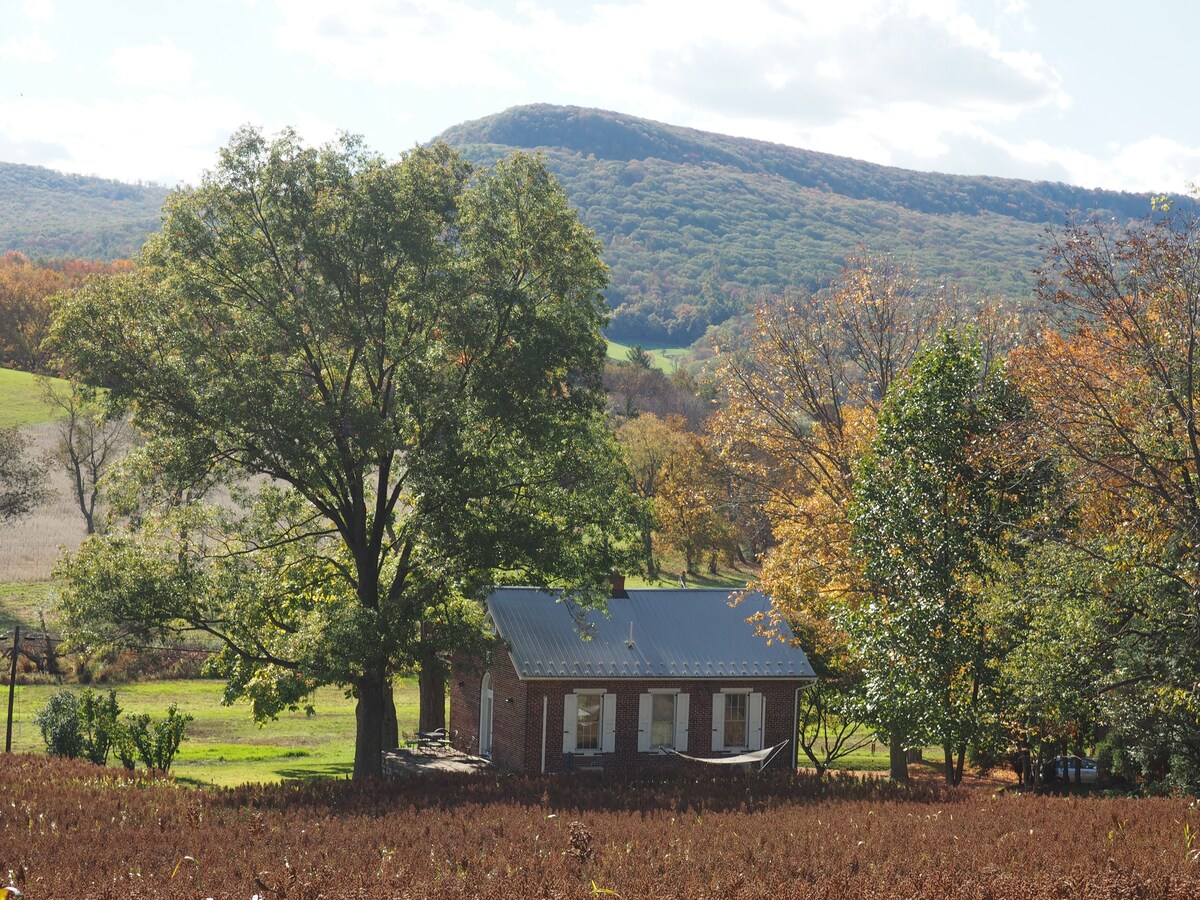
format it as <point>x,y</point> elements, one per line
<point>22,400</point>
<point>664,358</point>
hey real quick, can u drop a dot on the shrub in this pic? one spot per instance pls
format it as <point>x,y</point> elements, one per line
<point>58,721</point>
<point>98,725</point>
<point>155,744</point>
<point>80,724</point>
<point>87,725</point>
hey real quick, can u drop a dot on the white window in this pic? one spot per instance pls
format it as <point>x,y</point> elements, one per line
<point>662,720</point>
<point>589,722</point>
<point>737,720</point>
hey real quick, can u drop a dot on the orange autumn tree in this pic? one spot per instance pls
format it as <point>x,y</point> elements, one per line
<point>799,405</point>
<point>650,446</point>
<point>1115,378</point>
<point>26,289</point>
<point>25,292</point>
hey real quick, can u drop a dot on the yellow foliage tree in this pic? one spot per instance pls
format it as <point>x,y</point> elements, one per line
<point>800,404</point>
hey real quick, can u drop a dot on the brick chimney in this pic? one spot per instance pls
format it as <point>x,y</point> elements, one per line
<point>618,586</point>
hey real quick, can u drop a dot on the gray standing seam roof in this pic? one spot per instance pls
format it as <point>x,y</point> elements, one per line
<point>676,633</point>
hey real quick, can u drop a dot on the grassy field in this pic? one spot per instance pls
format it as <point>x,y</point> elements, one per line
<point>665,358</point>
<point>28,548</point>
<point>23,602</point>
<point>21,400</point>
<point>224,746</point>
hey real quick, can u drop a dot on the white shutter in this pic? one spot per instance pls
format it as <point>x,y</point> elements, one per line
<point>570,721</point>
<point>645,705</point>
<point>608,719</point>
<point>755,714</point>
<point>681,722</point>
<point>718,722</point>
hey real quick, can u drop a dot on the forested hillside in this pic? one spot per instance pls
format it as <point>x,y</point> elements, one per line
<point>50,215</point>
<point>695,225</point>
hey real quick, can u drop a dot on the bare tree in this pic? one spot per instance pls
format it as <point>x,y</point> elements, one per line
<point>90,440</point>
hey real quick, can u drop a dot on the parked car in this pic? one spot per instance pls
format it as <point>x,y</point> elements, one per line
<point>1062,768</point>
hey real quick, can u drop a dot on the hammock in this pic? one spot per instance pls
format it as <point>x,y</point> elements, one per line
<point>758,757</point>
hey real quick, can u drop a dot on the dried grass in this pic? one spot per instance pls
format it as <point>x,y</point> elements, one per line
<point>69,830</point>
<point>30,546</point>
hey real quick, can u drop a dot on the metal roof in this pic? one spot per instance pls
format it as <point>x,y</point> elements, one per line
<point>654,633</point>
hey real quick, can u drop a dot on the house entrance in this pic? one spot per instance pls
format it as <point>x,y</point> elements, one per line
<point>485,717</point>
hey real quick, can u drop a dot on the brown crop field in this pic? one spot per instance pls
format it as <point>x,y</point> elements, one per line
<point>68,830</point>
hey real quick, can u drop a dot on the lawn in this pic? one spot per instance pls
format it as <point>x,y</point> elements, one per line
<point>224,746</point>
<point>665,358</point>
<point>23,603</point>
<point>22,401</point>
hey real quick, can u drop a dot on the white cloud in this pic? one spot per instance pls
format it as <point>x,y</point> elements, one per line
<point>176,139</point>
<point>872,77</point>
<point>40,11</point>
<point>30,48</point>
<point>423,43</point>
<point>1151,164</point>
<point>152,65</point>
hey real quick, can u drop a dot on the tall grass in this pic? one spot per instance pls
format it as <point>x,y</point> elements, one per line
<point>30,546</point>
<point>70,830</point>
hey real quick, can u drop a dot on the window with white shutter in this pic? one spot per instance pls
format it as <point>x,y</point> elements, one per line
<point>589,722</point>
<point>737,720</point>
<point>662,720</point>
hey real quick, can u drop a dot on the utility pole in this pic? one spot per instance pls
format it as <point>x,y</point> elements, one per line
<point>12,686</point>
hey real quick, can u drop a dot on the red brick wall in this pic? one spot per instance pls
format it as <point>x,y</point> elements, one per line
<point>517,726</point>
<point>509,700</point>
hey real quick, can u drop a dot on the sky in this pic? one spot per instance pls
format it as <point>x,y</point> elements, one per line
<point>1096,93</point>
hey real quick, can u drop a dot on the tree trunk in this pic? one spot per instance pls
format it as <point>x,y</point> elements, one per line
<point>432,682</point>
<point>1025,768</point>
<point>962,758</point>
<point>369,717</point>
<point>391,728</point>
<point>648,553</point>
<point>897,761</point>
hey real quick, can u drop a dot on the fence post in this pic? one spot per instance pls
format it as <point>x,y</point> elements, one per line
<point>12,686</point>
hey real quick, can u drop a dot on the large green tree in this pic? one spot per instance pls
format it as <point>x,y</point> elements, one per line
<point>944,495</point>
<point>409,353</point>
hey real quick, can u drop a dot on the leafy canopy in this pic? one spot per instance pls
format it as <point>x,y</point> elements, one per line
<point>409,353</point>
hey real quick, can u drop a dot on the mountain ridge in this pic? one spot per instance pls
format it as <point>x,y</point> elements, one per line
<point>47,214</point>
<point>542,125</point>
<point>698,226</point>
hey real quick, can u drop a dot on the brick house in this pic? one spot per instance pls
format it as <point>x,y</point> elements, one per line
<point>675,669</point>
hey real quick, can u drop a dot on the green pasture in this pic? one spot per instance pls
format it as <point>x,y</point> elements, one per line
<point>873,757</point>
<point>21,400</point>
<point>225,747</point>
<point>668,576</point>
<point>664,358</point>
<point>21,602</point>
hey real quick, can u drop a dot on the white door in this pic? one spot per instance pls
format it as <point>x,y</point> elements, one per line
<point>485,718</point>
